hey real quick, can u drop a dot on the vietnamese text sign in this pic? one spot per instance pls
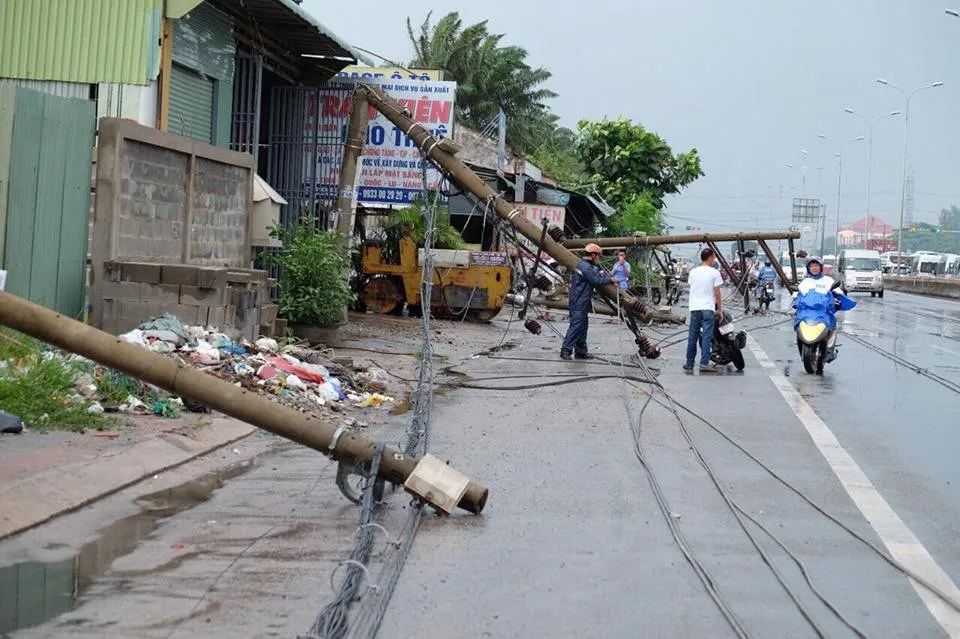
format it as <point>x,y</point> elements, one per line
<point>391,166</point>
<point>392,73</point>
<point>555,216</point>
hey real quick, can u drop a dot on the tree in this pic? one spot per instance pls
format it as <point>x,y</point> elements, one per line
<point>557,155</point>
<point>633,170</point>
<point>950,218</point>
<point>489,76</point>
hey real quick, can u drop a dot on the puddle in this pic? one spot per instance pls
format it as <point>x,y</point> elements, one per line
<point>33,592</point>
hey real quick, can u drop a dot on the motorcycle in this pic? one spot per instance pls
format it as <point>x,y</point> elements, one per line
<point>766,295</point>
<point>816,326</point>
<point>728,343</point>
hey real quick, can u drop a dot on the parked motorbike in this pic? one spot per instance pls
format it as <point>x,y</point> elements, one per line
<point>728,343</point>
<point>816,326</point>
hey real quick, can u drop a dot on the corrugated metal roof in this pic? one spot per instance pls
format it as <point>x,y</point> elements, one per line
<point>81,40</point>
<point>298,31</point>
<point>303,13</point>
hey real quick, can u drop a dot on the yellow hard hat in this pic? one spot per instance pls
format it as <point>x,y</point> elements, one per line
<point>592,248</point>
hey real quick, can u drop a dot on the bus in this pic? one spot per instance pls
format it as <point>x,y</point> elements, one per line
<point>952,267</point>
<point>927,264</point>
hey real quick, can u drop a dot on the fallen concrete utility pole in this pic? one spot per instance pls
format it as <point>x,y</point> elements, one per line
<point>441,153</point>
<point>600,309</point>
<point>188,382</point>
<point>689,238</point>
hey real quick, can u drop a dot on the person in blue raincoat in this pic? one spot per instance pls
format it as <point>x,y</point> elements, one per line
<point>817,299</point>
<point>584,280</point>
<point>766,275</point>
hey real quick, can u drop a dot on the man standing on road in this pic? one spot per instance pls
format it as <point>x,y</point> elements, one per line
<point>705,308</point>
<point>621,270</point>
<point>582,282</point>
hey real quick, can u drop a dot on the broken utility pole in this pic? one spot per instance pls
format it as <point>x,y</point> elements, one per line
<point>689,238</point>
<point>184,381</point>
<point>442,155</point>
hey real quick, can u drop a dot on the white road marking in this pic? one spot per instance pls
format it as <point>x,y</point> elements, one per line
<point>896,536</point>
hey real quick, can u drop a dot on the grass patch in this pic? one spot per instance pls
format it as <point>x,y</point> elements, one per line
<point>36,385</point>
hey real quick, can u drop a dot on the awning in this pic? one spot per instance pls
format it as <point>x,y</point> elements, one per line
<point>297,30</point>
<point>263,191</point>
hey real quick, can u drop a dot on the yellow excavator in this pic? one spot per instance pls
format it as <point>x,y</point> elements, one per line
<point>466,284</point>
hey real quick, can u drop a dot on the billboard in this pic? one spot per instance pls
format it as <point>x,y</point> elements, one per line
<point>354,72</point>
<point>391,166</point>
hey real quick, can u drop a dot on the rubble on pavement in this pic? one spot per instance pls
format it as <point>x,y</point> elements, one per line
<point>300,377</point>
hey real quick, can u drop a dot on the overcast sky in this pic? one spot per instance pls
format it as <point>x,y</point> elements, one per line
<point>748,83</point>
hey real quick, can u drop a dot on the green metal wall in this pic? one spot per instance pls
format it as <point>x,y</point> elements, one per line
<point>81,40</point>
<point>48,199</point>
<point>192,103</point>
<point>203,41</point>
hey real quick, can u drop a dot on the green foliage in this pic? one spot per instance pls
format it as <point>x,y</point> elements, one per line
<point>633,170</point>
<point>36,385</point>
<point>950,218</point>
<point>926,238</point>
<point>489,76</point>
<point>313,286</point>
<point>557,156</point>
<point>637,214</point>
<point>626,160</point>
<point>410,222</point>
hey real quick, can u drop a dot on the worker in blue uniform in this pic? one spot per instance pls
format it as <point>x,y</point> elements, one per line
<point>584,280</point>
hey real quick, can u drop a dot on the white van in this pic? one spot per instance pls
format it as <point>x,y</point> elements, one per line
<point>860,270</point>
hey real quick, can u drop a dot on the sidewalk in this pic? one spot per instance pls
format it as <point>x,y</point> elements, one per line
<point>43,475</point>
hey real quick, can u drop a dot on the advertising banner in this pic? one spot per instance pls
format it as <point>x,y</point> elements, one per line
<point>354,72</point>
<point>391,166</point>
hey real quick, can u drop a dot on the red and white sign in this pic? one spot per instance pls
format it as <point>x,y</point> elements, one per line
<point>555,215</point>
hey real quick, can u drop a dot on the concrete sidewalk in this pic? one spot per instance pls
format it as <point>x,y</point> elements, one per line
<point>43,475</point>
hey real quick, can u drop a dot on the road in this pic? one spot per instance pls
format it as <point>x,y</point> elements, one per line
<point>574,541</point>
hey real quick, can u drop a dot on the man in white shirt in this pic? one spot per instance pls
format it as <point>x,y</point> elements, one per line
<point>705,307</point>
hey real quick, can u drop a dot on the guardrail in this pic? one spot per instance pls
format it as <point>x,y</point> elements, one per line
<point>931,286</point>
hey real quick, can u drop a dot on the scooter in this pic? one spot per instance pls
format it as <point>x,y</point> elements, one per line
<point>816,326</point>
<point>766,295</point>
<point>728,343</point>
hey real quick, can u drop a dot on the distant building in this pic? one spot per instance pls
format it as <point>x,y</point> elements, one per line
<point>867,230</point>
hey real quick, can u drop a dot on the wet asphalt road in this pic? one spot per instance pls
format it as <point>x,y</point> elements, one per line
<point>902,428</point>
<point>573,542</point>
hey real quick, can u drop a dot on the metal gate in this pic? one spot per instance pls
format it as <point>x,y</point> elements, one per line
<point>307,132</point>
<point>247,88</point>
<point>46,144</point>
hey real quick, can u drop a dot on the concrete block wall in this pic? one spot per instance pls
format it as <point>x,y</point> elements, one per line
<point>225,299</point>
<point>218,229</point>
<point>166,200</point>
<point>153,191</point>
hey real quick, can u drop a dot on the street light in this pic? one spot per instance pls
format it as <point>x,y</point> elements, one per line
<point>839,156</point>
<point>803,176</point>
<point>870,122</point>
<point>906,128</point>
<point>952,12</point>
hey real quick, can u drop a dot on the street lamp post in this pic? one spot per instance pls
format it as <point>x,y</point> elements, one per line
<point>821,223</point>
<point>906,129</point>
<point>870,122</point>
<point>839,156</point>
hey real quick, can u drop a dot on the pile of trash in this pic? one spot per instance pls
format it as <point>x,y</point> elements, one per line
<point>299,377</point>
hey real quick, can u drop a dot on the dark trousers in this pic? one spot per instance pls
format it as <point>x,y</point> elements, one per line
<point>701,329</point>
<point>576,338</point>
